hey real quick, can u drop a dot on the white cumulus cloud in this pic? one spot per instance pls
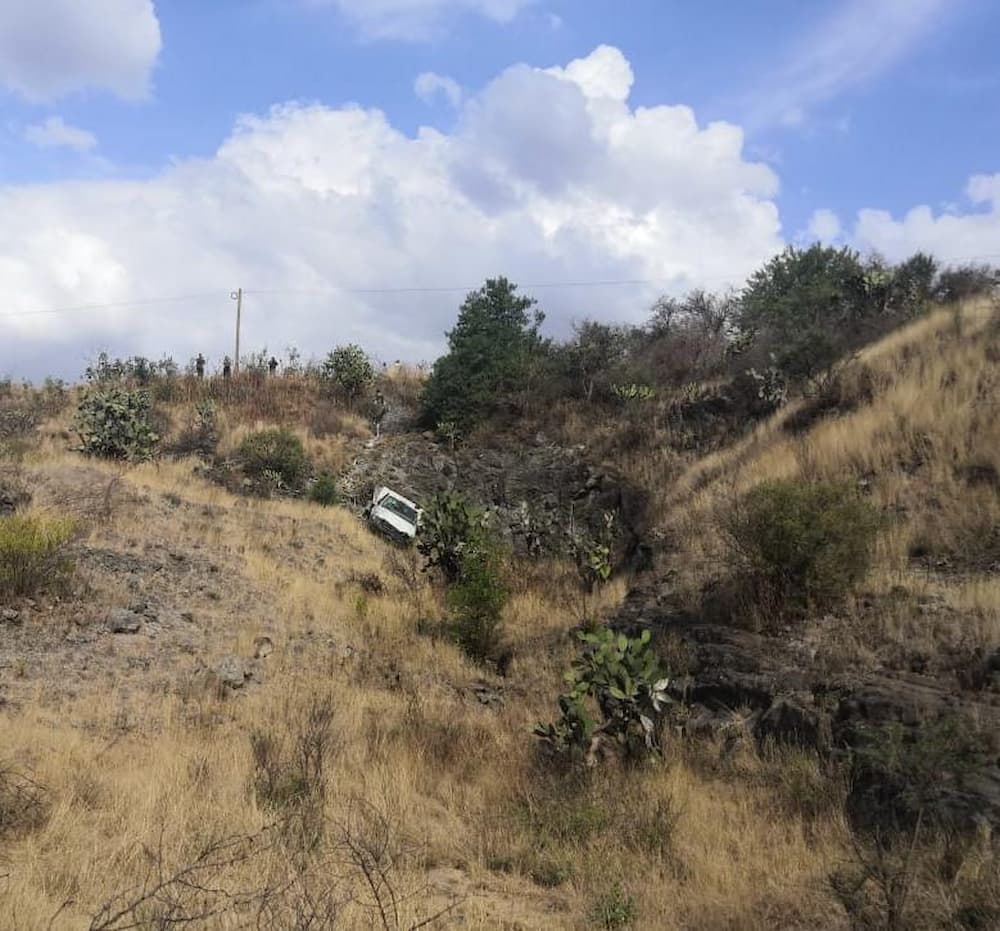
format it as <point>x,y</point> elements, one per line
<point>418,19</point>
<point>824,225</point>
<point>50,48</point>
<point>54,132</point>
<point>952,236</point>
<point>429,85</point>
<point>548,177</point>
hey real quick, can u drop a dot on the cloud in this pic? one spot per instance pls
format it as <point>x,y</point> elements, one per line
<point>952,236</point>
<point>824,225</point>
<point>849,48</point>
<point>418,19</point>
<point>547,177</point>
<point>56,133</point>
<point>429,85</point>
<point>50,48</point>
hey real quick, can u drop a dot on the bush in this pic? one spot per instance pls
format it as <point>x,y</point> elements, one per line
<point>324,490</point>
<point>114,423</point>
<point>477,600</point>
<point>449,524</point>
<point>805,545</point>
<point>277,455</point>
<point>33,553</point>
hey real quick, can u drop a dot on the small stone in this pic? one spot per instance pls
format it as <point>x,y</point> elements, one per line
<point>10,616</point>
<point>232,672</point>
<point>123,621</point>
<point>262,647</point>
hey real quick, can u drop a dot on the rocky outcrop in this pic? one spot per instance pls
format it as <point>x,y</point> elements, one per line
<point>774,684</point>
<point>557,483</point>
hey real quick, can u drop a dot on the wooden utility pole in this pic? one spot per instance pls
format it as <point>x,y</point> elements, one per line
<point>237,296</point>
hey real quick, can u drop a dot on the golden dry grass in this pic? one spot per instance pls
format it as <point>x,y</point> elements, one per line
<point>139,776</point>
<point>455,779</point>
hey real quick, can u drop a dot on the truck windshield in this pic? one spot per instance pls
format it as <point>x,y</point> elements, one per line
<point>398,507</point>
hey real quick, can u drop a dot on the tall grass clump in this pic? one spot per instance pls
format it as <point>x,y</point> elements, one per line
<point>33,553</point>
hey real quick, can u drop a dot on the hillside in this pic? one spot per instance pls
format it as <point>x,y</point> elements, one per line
<point>244,711</point>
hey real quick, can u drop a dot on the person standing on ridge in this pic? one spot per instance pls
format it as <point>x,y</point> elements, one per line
<point>378,412</point>
<point>199,366</point>
<point>227,367</point>
<point>272,366</point>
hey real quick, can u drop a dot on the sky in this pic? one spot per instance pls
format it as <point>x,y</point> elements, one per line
<point>356,166</point>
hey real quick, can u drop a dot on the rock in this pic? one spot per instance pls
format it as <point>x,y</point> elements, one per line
<point>262,647</point>
<point>10,616</point>
<point>790,698</point>
<point>487,695</point>
<point>123,621</point>
<point>231,671</point>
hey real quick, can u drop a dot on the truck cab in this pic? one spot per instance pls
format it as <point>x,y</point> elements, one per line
<point>393,515</point>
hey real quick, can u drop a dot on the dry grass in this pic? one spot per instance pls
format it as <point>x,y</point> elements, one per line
<point>129,783</point>
<point>142,776</point>
<point>921,437</point>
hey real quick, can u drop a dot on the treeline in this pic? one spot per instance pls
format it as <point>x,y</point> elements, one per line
<point>790,325</point>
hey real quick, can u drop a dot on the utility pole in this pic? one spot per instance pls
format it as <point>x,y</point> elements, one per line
<point>237,296</point>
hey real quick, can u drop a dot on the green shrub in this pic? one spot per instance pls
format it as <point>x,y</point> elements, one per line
<point>615,909</point>
<point>804,545</point>
<point>324,490</point>
<point>477,600</point>
<point>275,455</point>
<point>33,552</point>
<point>114,423</point>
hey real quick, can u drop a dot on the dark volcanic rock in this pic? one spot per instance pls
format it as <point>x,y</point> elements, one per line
<point>790,699</point>
<point>558,485</point>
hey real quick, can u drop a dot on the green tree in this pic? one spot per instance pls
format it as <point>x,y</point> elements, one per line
<point>350,370</point>
<point>593,355</point>
<point>490,352</point>
<point>802,306</point>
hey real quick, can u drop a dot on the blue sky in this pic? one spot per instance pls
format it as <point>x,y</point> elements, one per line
<point>158,148</point>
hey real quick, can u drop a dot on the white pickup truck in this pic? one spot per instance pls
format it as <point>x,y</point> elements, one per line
<point>393,515</point>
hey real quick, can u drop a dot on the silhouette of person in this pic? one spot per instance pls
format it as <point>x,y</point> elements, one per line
<point>272,366</point>
<point>199,366</point>
<point>379,410</point>
<point>227,367</point>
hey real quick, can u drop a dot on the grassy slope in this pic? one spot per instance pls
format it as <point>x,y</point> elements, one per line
<point>133,760</point>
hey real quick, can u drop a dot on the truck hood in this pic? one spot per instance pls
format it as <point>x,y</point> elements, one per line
<point>394,520</point>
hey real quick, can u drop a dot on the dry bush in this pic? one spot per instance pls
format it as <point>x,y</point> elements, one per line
<point>24,803</point>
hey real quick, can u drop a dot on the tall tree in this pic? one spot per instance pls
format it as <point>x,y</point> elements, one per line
<point>490,351</point>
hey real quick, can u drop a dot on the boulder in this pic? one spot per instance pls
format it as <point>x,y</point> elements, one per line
<point>123,621</point>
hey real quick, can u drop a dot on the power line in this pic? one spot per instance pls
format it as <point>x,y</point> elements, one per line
<point>413,289</point>
<point>180,298</point>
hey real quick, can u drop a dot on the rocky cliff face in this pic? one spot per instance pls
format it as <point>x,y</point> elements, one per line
<point>553,486</point>
<point>920,741</point>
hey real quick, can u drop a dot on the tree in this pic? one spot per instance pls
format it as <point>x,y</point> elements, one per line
<point>490,352</point>
<point>803,304</point>
<point>594,353</point>
<point>349,368</point>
